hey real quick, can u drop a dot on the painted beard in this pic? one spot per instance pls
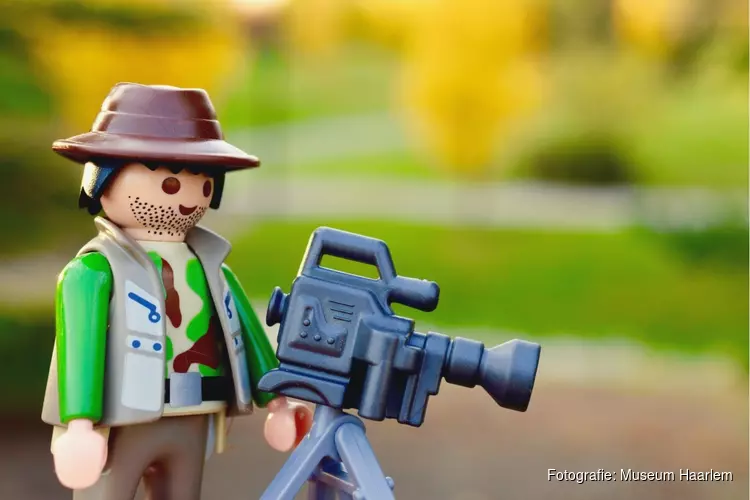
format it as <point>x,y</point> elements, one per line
<point>161,219</point>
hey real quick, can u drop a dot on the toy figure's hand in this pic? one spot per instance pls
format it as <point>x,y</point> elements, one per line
<point>79,454</point>
<point>287,423</point>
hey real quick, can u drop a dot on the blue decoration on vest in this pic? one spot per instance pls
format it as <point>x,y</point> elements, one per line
<point>227,299</point>
<point>153,316</point>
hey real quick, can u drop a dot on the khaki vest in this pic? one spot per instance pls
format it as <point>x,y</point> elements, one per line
<point>136,339</point>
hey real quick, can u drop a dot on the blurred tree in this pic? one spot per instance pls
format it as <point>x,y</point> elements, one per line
<point>579,24</point>
<point>88,47</point>
<point>468,75</point>
<point>316,28</point>
<point>662,29</point>
<point>388,22</point>
<point>591,157</point>
<point>598,97</point>
<point>681,32</point>
<point>732,39</point>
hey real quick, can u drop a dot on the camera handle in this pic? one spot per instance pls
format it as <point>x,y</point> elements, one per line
<point>389,287</point>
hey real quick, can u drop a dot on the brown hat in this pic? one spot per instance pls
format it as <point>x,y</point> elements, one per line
<point>156,123</point>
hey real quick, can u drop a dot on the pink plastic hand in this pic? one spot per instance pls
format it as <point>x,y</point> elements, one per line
<point>80,454</point>
<point>287,424</point>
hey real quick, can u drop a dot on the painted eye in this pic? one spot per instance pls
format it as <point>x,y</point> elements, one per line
<point>170,185</point>
<point>207,189</point>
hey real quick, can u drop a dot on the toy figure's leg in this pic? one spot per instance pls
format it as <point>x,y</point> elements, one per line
<point>169,454</point>
<point>361,463</point>
<point>128,456</point>
<point>178,473</point>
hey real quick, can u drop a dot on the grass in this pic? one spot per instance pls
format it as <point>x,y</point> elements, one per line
<point>541,284</point>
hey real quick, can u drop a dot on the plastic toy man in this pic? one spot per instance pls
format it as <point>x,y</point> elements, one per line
<point>156,341</point>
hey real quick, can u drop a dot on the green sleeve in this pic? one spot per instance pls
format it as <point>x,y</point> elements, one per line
<point>261,357</point>
<point>82,311</point>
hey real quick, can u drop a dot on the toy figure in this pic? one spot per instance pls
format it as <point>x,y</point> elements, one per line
<point>156,342</point>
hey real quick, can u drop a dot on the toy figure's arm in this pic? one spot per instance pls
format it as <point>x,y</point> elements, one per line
<point>260,355</point>
<point>82,310</point>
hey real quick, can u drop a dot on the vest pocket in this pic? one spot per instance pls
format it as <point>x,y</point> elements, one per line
<point>142,382</point>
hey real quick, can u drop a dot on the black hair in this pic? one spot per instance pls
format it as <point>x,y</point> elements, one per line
<point>98,174</point>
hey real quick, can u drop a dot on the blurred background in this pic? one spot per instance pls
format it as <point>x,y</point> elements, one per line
<point>570,172</point>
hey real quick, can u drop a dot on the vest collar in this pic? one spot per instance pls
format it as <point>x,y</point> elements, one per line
<point>210,248</point>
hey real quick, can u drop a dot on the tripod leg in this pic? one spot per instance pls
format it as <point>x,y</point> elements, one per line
<point>361,463</point>
<point>300,466</point>
<point>320,491</point>
<point>331,479</point>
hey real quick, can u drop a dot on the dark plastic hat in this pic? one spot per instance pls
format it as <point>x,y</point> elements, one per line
<point>156,123</point>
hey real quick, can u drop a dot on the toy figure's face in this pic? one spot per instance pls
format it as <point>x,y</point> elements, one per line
<point>157,204</point>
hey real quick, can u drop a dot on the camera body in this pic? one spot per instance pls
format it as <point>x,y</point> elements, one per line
<point>340,344</point>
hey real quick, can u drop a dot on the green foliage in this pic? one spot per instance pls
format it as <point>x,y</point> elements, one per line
<point>576,22</point>
<point>580,159</point>
<point>284,90</point>
<point>589,285</point>
<point>696,135</point>
<point>724,246</point>
<point>26,344</point>
<point>124,17</point>
<point>627,122</point>
<point>22,91</point>
<point>40,190</point>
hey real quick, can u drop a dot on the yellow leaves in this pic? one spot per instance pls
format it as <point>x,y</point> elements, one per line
<point>85,62</point>
<point>461,118</point>
<point>389,21</point>
<point>316,27</point>
<point>467,77</point>
<point>652,27</point>
<point>734,15</point>
<point>499,28</point>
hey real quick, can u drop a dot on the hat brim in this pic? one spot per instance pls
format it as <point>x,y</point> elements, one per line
<point>211,153</point>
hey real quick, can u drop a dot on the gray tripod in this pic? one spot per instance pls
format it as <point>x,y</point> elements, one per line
<point>338,461</point>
